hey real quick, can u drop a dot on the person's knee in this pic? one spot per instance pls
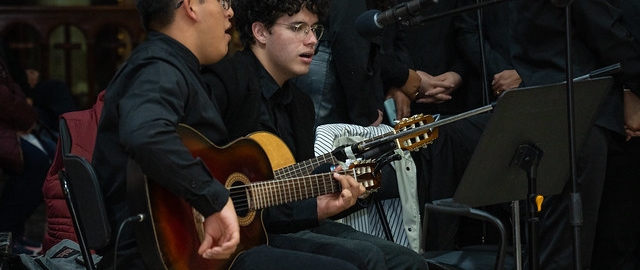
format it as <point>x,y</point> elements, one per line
<point>372,255</point>
<point>409,262</point>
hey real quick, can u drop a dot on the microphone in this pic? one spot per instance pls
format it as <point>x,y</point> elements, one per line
<point>347,152</point>
<point>358,150</point>
<point>371,23</point>
<point>379,150</point>
<point>605,71</point>
<point>323,168</point>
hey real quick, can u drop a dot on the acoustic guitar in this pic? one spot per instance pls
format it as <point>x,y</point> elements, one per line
<point>171,234</point>
<point>170,238</point>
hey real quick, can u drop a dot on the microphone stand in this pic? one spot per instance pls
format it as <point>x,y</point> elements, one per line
<point>576,213</point>
<point>576,199</point>
<point>483,79</point>
<point>483,58</point>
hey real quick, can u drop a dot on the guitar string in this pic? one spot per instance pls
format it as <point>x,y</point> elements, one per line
<point>298,170</point>
<point>303,168</point>
<point>283,194</point>
<point>265,192</point>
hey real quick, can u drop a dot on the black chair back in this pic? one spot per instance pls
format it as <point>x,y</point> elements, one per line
<point>84,199</point>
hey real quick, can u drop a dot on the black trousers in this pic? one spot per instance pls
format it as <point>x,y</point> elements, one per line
<point>22,193</point>
<point>617,243</point>
<point>555,231</point>
<point>268,257</point>
<point>359,249</point>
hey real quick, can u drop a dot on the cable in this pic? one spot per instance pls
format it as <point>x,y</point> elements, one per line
<point>138,218</point>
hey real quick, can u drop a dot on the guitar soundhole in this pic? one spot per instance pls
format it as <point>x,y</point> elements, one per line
<point>238,185</point>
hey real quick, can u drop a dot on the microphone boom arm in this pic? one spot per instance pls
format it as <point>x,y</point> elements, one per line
<point>422,19</point>
<point>361,148</point>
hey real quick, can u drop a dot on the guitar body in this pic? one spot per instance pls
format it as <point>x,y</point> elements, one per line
<point>171,236</point>
<point>277,151</point>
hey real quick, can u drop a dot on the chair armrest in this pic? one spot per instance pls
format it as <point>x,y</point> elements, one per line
<point>448,206</point>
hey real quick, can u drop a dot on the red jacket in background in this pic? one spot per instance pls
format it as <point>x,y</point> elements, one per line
<point>83,127</point>
<point>16,115</point>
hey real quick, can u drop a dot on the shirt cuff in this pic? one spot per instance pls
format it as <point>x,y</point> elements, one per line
<point>410,87</point>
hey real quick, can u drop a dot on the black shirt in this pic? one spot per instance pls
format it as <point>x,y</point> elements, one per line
<point>156,89</point>
<point>243,91</point>
<point>275,101</point>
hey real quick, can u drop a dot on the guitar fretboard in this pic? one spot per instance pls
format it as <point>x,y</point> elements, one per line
<point>260,195</point>
<point>270,193</point>
<point>303,168</point>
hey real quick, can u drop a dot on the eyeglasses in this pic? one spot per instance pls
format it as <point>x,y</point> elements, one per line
<point>301,30</point>
<point>225,4</point>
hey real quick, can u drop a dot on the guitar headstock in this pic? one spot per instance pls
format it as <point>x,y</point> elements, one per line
<point>421,137</point>
<point>364,171</point>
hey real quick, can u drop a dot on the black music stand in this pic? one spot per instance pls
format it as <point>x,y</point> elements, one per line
<point>524,150</point>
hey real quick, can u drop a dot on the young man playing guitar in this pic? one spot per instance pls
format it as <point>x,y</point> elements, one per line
<point>254,93</point>
<point>155,91</point>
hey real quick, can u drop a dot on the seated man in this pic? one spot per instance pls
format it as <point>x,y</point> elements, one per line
<point>254,92</point>
<point>157,89</point>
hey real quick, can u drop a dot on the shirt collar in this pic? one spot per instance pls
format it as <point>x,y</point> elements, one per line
<point>270,89</point>
<point>175,46</point>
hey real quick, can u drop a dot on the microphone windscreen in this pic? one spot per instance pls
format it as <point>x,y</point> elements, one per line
<point>366,24</point>
<point>323,168</point>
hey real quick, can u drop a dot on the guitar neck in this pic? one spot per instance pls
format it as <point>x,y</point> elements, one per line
<point>307,166</point>
<point>407,135</point>
<point>303,168</point>
<point>270,193</point>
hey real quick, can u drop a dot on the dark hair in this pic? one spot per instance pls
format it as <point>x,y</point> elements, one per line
<point>268,11</point>
<point>156,14</point>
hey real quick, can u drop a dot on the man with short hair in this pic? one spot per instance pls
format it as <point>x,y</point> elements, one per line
<point>156,90</point>
<point>254,91</point>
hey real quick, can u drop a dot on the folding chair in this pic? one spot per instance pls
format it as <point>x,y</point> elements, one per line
<point>484,257</point>
<point>84,200</point>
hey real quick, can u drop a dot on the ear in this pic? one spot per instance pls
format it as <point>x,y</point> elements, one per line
<point>186,7</point>
<point>260,32</point>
